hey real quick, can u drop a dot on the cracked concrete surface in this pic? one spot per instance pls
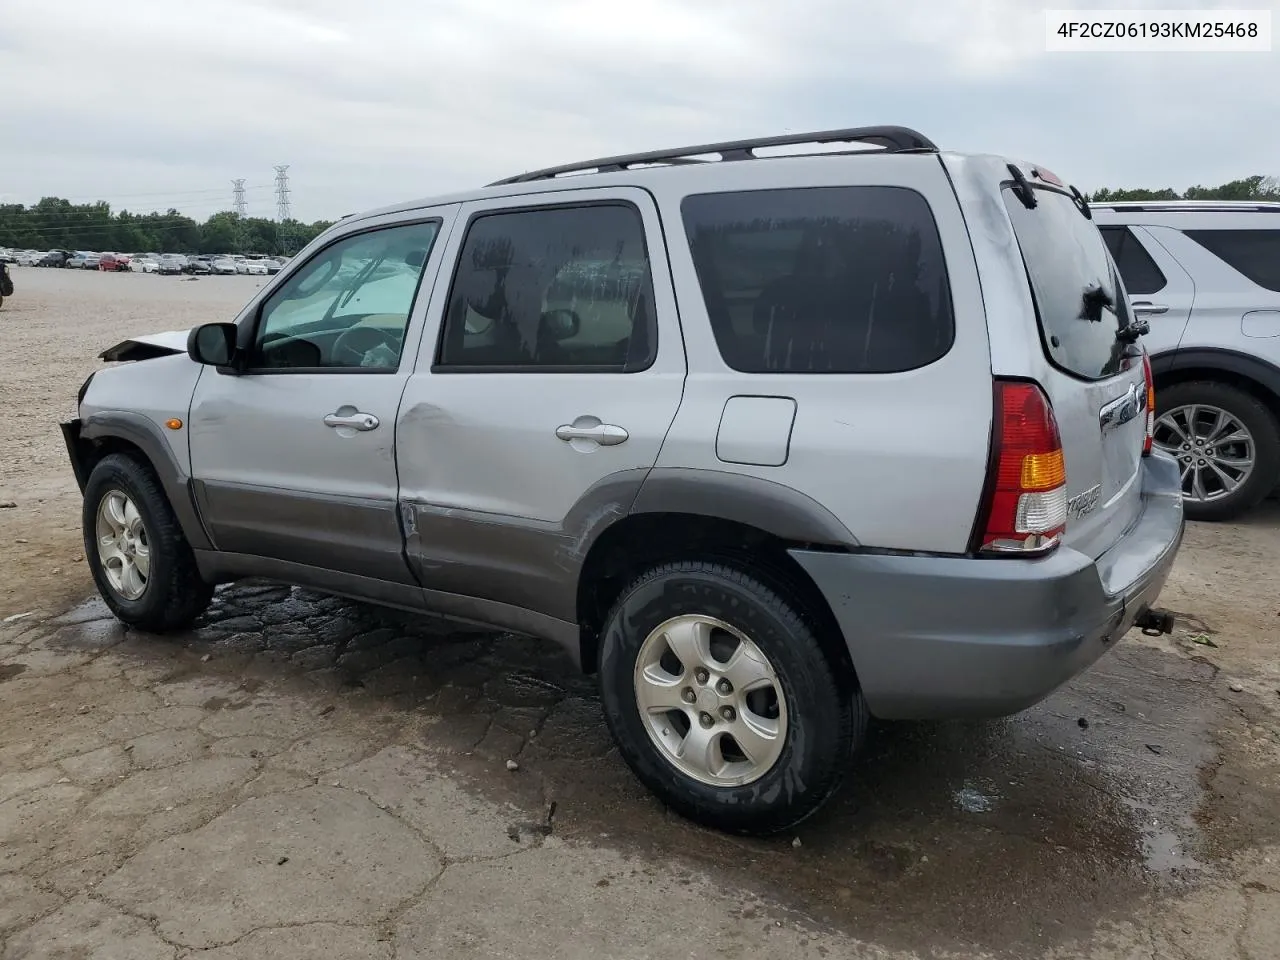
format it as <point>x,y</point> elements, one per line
<point>300,776</point>
<point>151,788</point>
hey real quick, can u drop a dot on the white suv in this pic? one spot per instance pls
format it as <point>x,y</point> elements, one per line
<point>772,444</point>
<point>1206,276</point>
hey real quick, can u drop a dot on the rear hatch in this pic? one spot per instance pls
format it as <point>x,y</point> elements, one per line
<point>1095,379</point>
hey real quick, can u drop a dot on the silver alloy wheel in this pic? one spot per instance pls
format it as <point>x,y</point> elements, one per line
<point>123,549</point>
<point>1215,451</point>
<point>710,700</point>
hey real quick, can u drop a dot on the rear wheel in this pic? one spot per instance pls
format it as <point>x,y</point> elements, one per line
<point>722,701</point>
<point>141,562</point>
<point>1226,442</point>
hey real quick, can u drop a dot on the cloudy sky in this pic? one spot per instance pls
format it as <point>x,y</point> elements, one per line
<point>157,103</point>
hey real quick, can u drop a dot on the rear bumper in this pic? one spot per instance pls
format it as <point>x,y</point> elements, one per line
<point>952,637</point>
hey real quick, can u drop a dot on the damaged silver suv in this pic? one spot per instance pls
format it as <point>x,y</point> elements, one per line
<point>772,444</point>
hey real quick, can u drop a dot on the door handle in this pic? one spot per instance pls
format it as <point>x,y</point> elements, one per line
<point>590,428</point>
<point>356,421</point>
<point>1145,308</point>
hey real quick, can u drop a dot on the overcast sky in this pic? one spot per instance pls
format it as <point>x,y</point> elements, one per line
<point>153,103</point>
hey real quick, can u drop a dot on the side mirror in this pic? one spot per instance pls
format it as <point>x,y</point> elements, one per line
<point>213,344</point>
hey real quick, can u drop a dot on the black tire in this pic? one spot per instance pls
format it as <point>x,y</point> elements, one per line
<point>1261,423</point>
<point>174,594</point>
<point>825,721</point>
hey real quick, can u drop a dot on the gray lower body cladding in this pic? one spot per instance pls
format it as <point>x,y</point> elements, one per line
<point>952,637</point>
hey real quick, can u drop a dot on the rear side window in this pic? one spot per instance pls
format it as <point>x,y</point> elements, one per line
<point>1139,272</point>
<point>1255,253</point>
<point>1072,282</point>
<point>822,280</point>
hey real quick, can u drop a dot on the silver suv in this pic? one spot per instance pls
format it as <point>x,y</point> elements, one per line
<point>772,444</point>
<point>1206,276</point>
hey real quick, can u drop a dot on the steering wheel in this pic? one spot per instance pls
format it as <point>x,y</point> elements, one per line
<point>352,345</point>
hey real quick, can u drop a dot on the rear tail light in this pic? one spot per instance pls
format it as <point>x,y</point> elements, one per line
<point>1025,511</point>
<point>1150,405</point>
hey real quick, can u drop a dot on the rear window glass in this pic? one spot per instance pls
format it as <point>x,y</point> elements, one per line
<point>1073,283</point>
<point>1140,274</point>
<point>822,280</point>
<point>1255,253</point>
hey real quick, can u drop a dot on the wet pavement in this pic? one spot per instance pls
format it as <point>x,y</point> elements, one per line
<point>302,774</point>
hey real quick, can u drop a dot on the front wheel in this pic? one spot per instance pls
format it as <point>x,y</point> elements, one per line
<point>1226,442</point>
<point>722,701</point>
<point>142,564</point>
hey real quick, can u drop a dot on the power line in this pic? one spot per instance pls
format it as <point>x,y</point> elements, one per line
<point>283,212</point>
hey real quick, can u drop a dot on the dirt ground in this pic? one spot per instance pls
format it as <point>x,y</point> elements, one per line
<point>300,776</point>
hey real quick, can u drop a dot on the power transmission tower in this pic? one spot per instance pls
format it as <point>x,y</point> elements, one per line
<point>238,193</point>
<point>282,193</point>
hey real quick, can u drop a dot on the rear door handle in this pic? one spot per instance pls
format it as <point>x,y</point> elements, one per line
<point>1145,308</point>
<point>590,428</point>
<point>356,421</point>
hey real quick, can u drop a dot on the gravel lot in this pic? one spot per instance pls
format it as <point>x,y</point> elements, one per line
<point>300,776</point>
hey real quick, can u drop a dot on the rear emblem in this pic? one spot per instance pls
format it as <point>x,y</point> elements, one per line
<point>1083,504</point>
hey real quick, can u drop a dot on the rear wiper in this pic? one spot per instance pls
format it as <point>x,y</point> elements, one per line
<point>1131,331</point>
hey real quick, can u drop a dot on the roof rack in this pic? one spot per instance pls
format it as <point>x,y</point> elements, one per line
<point>891,139</point>
<point>1186,206</point>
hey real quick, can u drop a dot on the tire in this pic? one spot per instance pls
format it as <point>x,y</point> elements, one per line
<point>823,723</point>
<point>173,594</point>
<point>1252,415</point>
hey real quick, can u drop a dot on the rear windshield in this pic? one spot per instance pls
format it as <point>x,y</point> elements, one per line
<point>1080,303</point>
<point>822,279</point>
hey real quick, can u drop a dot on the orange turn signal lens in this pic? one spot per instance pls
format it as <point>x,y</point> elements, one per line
<point>176,424</point>
<point>1043,471</point>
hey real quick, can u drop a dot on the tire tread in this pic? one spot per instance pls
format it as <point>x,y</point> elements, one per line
<point>185,595</point>
<point>852,716</point>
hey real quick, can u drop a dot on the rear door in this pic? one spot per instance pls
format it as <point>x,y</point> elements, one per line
<point>534,415</point>
<point>1093,379</point>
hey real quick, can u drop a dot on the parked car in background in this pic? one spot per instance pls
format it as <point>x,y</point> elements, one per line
<point>1205,275</point>
<point>892,460</point>
<point>8,256</point>
<point>171,263</point>
<point>78,260</point>
<point>272,264</point>
<point>91,261</point>
<point>55,258</point>
<point>198,265</point>
<point>144,264</point>
<point>254,268</point>
<point>29,258</point>
<point>224,265</point>
<point>114,262</point>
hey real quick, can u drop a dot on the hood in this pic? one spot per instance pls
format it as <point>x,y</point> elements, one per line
<point>146,347</point>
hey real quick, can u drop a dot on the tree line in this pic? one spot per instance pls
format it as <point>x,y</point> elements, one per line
<point>57,224</point>
<point>1250,188</point>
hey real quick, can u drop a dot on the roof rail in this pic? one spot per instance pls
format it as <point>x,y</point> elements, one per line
<point>891,139</point>
<point>1188,206</point>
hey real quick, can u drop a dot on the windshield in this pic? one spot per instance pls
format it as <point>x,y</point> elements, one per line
<point>1080,302</point>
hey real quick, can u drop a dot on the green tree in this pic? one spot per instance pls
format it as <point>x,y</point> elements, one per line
<point>58,223</point>
<point>1256,187</point>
